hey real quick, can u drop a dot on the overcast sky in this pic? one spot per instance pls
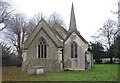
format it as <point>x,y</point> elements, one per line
<point>90,14</point>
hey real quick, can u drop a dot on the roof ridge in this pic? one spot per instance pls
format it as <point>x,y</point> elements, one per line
<point>62,28</point>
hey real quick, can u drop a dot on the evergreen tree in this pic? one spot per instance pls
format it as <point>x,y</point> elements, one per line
<point>97,50</point>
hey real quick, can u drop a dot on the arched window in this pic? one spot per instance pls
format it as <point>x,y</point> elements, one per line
<point>73,50</point>
<point>42,48</point>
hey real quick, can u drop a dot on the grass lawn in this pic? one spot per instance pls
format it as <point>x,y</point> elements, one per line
<point>100,72</point>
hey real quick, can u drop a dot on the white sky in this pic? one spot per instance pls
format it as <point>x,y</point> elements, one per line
<point>90,14</point>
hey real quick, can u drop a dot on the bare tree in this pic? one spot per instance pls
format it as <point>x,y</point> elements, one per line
<point>36,18</point>
<point>52,19</point>
<point>5,13</point>
<point>17,32</point>
<point>33,22</point>
<point>55,18</point>
<point>106,34</point>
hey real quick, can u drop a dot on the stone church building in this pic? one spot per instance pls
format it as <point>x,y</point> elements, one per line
<point>55,48</point>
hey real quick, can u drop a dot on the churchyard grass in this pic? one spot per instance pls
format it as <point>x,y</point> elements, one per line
<point>100,72</point>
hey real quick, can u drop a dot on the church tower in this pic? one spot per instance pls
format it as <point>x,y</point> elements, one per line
<point>72,25</point>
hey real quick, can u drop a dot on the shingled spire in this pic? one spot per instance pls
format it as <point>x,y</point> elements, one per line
<point>72,25</point>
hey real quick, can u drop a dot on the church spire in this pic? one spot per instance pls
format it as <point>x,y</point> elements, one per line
<point>72,25</point>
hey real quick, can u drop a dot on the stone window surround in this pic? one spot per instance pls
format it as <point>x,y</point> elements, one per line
<point>74,53</point>
<point>42,44</point>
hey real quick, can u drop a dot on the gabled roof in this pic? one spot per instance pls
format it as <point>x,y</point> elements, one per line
<point>60,31</point>
<point>80,36</point>
<point>43,25</point>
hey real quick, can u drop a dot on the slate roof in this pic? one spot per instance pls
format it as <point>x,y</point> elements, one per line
<point>60,31</point>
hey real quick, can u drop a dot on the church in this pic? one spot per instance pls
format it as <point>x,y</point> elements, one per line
<point>57,49</point>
